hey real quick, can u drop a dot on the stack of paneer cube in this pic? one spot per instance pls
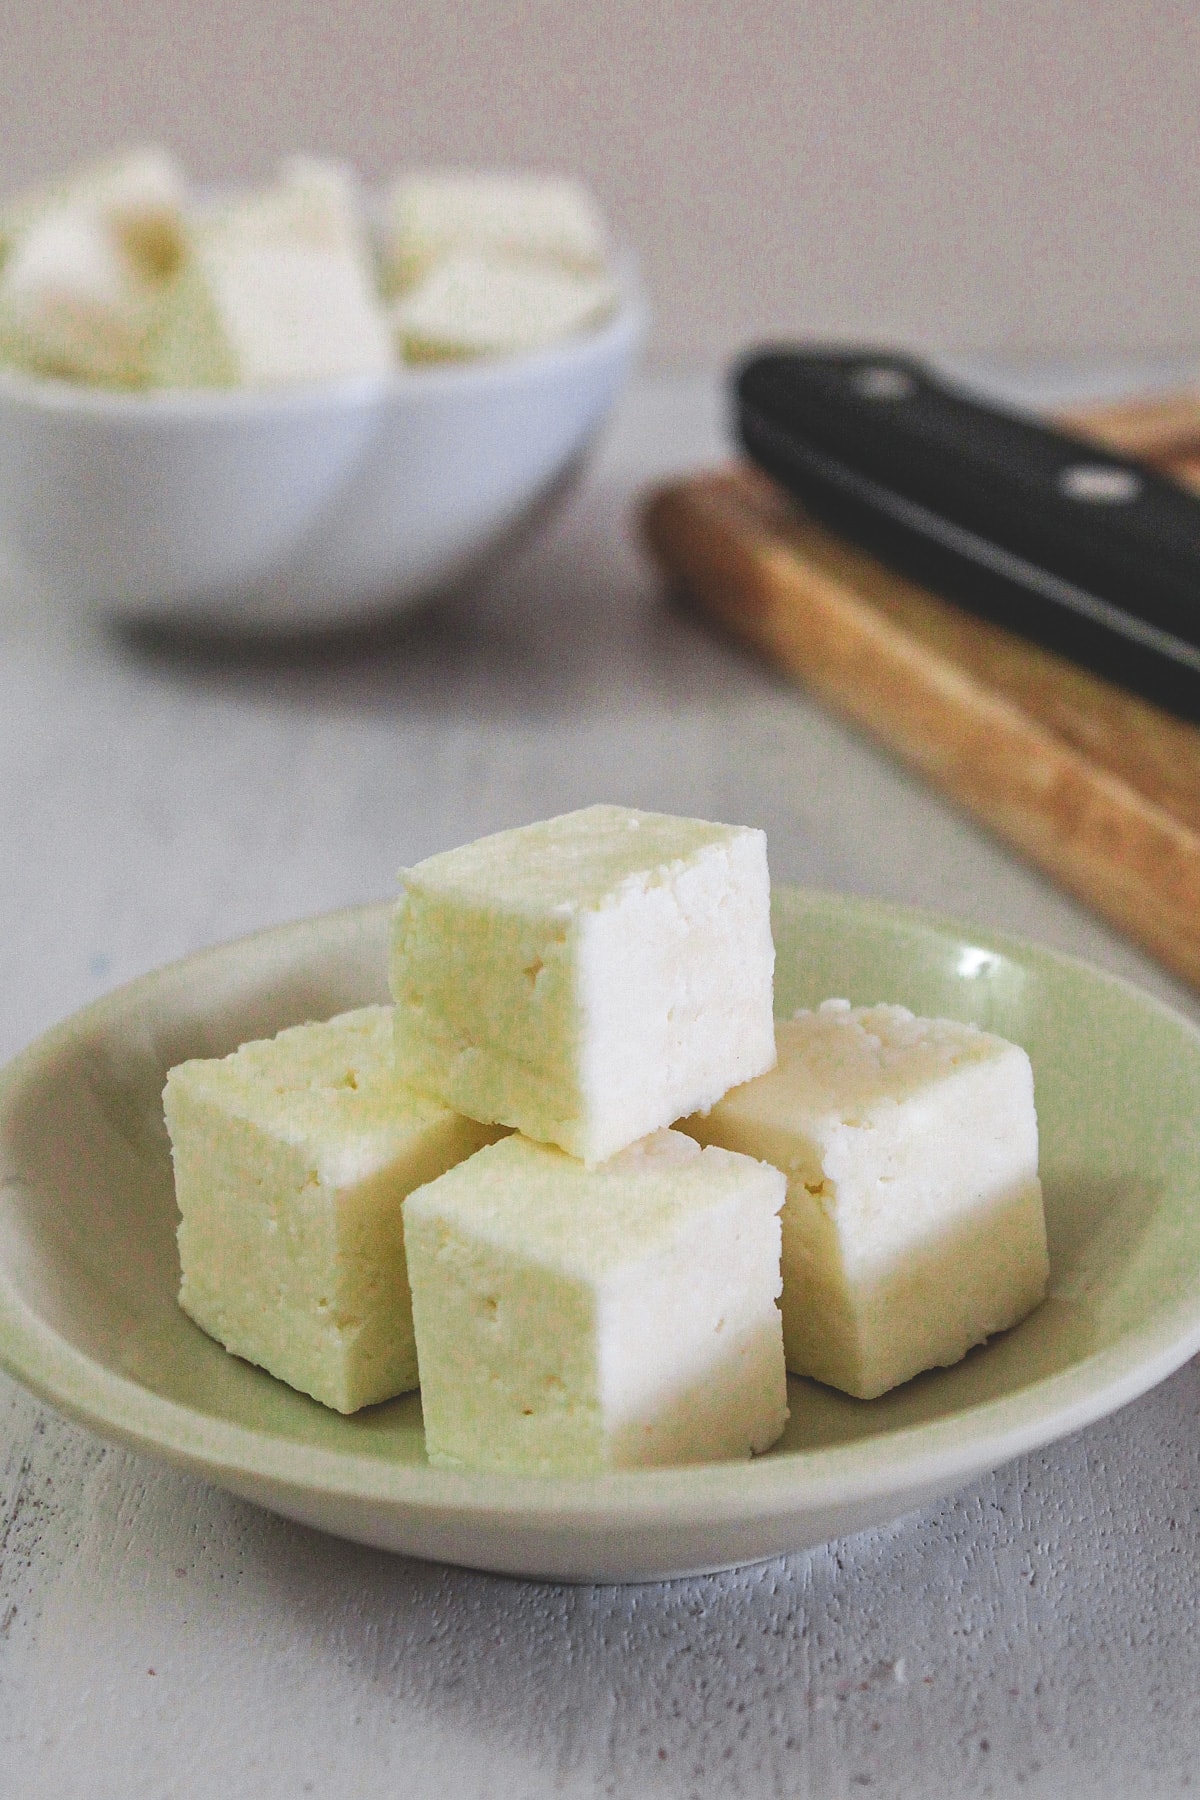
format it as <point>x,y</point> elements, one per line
<point>478,1190</point>
<point>120,276</point>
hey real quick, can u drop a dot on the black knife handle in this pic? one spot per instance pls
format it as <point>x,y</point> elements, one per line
<point>1084,550</point>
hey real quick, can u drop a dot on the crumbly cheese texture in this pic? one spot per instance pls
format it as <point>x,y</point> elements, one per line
<point>589,979</point>
<point>432,215</point>
<point>293,1157</point>
<point>572,1320</point>
<point>86,269</point>
<point>277,287</point>
<point>913,1227</point>
<point>475,305</point>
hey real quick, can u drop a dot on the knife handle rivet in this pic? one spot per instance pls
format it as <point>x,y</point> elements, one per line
<point>882,381</point>
<point>1099,484</point>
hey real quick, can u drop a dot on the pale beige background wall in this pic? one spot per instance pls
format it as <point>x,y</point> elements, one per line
<point>1002,176</point>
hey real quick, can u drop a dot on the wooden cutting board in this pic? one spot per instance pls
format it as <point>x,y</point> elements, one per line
<point>1096,786</point>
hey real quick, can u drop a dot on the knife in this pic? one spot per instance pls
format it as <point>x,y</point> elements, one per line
<point>1094,554</point>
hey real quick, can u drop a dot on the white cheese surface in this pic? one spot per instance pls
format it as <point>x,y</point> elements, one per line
<point>587,979</point>
<point>914,1226</point>
<point>474,305</point>
<point>434,214</point>
<point>86,270</point>
<point>292,1158</point>
<point>277,287</point>
<point>570,1320</point>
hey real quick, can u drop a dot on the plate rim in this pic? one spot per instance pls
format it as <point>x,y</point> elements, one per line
<point>937,1452</point>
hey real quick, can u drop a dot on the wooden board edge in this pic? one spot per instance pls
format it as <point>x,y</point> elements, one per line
<point>1130,859</point>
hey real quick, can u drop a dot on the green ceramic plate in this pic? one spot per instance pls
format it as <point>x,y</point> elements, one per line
<point>88,1272</point>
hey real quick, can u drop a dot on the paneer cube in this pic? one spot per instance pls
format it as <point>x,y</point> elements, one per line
<point>572,1320</point>
<point>913,1227</point>
<point>472,305</point>
<point>86,269</point>
<point>434,214</point>
<point>292,1159</point>
<point>277,287</point>
<point>588,979</point>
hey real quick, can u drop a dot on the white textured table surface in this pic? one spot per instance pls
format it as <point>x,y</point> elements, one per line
<point>1037,1634</point>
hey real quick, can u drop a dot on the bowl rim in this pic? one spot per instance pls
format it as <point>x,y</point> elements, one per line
<point>22,391</point>
<point>938,1451</point>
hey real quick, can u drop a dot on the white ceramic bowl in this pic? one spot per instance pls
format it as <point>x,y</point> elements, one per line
<point>302,508</point>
